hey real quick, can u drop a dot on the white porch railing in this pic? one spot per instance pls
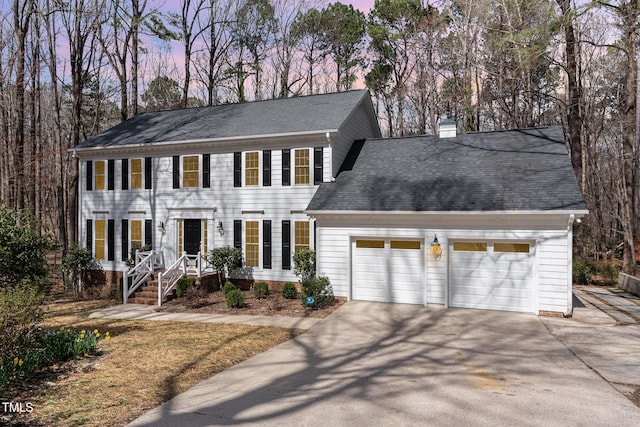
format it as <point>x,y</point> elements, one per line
<point>194,264</point>
<point>140,273</point>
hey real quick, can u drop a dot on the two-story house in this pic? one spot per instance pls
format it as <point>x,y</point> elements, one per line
<point>189,180</point>
<point>478,220</point>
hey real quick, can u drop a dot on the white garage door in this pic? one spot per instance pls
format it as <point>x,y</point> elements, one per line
<point>491,275</point>
<point>388,270</point>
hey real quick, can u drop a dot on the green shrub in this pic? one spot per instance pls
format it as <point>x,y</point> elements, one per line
<point>23,248</point>
<point>261,290</point>
<point>583,272</point>
<point>76,262</point>
<point>319,288</point>
<point>235,298</point>
<point>304,263</point>
<point>183,284</point>
<point>610,272</point>
<point>20,312</point>
<point>289,291</point>
<point>225,259</point>
<point>228,287</point>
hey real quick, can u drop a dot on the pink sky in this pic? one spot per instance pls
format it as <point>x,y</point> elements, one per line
<point>363,5</point>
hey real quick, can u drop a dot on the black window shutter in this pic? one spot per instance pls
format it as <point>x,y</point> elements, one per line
<point>111,170</point>
<point>266,244</point>
<point>237,233</point>
<point>90,235</point>
<point>125,174</point>
<point>314,235</point>
<point>286,245</point>
<point>266,169</point>
<point>124,233</point>
<point>317,165</point>
<point>237,169</point>
<point>286,167</point>
<point>176,171</point>
<point>148,233</point>
<point>111,237</point>
<point>89,176</point>
<point>147,173</point>
<point>206,170</point>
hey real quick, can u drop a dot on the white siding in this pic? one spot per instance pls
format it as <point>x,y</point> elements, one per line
<point>552,266</point>
<point>221,202</point>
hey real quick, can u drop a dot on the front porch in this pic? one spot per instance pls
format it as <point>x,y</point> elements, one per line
<point>149,282</point>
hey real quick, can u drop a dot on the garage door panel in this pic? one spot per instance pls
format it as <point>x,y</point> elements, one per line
<point>492,280</point>
<point>388,273</point>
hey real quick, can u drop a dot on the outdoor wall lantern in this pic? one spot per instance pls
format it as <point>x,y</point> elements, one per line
<point>436,249</point>
<point>161,227</point>
<point>220,228</point>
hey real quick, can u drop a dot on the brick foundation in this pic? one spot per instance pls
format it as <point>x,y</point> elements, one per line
<point>546,313</point>
<point>102,284</point>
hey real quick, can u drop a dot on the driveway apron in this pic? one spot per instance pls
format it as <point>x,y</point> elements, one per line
<point>371,364</point>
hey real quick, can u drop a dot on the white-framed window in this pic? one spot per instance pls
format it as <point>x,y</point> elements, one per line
<point>136,173</point>
<point>251,168</point>
<point>301,235</point>
<point>252,243</point>
<point>100,175</point>
<point>191,171</point>
<point>302,166</point>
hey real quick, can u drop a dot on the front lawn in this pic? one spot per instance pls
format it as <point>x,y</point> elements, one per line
<point>144,364</point>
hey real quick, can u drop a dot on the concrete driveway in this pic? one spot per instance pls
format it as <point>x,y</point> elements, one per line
<point>383,364</point>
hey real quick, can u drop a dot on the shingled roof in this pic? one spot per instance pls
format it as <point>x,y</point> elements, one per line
<point>303,114</point>
<point>516,170</point>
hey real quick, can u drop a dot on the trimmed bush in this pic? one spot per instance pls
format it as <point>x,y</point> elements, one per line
<point>228,287</point>
<point>183,284</point>
<point>235,298</point>
<point>319,288</point>
<point>261,290</point>
<point>289,291</point>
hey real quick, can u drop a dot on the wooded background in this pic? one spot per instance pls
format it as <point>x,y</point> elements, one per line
<point>71,69</point>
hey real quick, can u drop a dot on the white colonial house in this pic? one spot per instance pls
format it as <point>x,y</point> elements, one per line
<point>183,182</point>
<point>480,220</point>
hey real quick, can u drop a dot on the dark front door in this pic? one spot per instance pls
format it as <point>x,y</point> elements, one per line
<point>192,230</point>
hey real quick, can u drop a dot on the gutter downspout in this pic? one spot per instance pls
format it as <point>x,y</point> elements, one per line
<point>569,312</point>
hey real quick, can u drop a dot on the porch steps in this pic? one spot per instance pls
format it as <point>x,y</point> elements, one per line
<point>148,294</point>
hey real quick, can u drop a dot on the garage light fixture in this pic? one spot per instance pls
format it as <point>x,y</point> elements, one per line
<point>220,228</point>
<point>436,249</point>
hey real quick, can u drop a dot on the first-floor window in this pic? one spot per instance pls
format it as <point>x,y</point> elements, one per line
<point>100,238</point>
<point>136,234</point>
<point>301,231</point>
<point>252,239</point>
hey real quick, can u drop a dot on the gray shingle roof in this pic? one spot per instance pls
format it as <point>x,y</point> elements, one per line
<point>527,170</point>
<point>277,116</point>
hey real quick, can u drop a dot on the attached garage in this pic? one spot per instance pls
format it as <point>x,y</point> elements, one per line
<point>492,275</point>
<point>493,213</point>
<point>388,270</point>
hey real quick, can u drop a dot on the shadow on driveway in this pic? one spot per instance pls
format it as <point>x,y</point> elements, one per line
<point>386,364</point>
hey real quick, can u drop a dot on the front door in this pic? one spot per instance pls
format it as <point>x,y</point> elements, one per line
<point>192,233</point>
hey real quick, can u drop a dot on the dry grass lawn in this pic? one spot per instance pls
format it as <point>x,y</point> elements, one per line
<point>144,364</point>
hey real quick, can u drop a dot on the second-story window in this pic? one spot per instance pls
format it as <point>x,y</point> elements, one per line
<point>251,168</point>
<point>136,174</point>
<point>302,166</point>
<point>190,171</point>
<point>100,175</point>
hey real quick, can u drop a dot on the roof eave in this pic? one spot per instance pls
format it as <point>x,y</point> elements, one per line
<point>579,213</point>
<point>232,141</point>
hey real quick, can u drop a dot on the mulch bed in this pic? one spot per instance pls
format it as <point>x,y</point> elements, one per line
<point>273,305</point>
